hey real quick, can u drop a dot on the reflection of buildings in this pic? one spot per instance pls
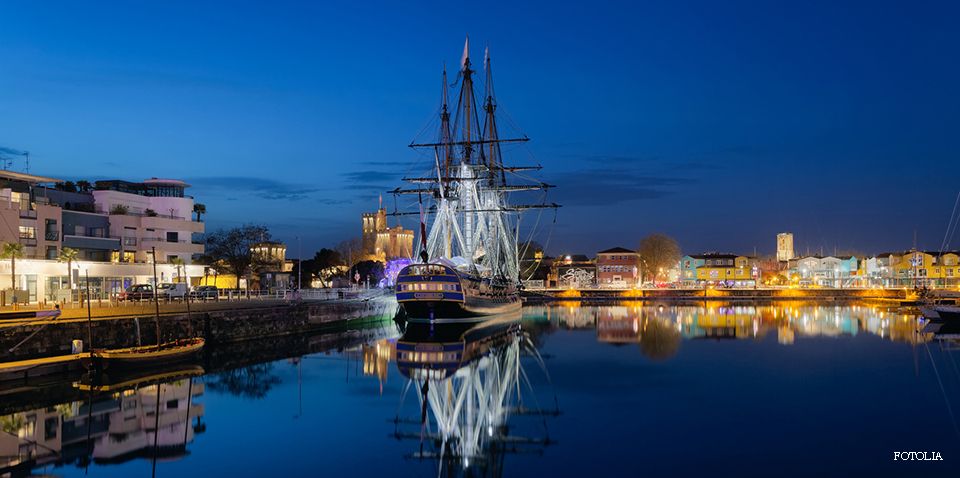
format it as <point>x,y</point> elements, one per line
<point>120,426</point>
<point>381,242</point>
<point>377,357</point>
<point>790,321</point>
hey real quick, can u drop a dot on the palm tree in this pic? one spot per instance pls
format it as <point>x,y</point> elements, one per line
<point>12,250</point>
<point>68,255</point>
<point>199,209</point>
<point>177,261</point>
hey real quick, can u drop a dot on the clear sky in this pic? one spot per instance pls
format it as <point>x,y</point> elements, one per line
<point>720,123</point>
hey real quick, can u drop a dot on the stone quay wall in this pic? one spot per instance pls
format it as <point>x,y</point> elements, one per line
<point>216,326</point>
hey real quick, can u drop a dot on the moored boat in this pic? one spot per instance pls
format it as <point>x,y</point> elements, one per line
<point>941,312</point>
<point>146,355</point>
<point>440,293</point>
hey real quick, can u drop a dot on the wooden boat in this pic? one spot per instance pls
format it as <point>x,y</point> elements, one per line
<point>146,355</point>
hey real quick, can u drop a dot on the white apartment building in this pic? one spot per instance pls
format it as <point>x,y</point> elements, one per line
<point>154,213</point>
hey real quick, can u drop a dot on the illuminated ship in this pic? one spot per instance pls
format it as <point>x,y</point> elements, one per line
<point>468,261</point>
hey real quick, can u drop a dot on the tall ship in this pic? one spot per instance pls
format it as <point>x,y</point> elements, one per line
<point>468,256</point>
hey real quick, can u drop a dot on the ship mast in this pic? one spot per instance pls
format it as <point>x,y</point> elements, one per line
<point>473,223</point>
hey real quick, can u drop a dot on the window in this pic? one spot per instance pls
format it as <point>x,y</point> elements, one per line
<point>28,232</point>
<point>79,230</point>
<point>171,258</point>
<point>172,236</point>
<point>52,252</point>
<point>50,428</point>
<point>130,241</point>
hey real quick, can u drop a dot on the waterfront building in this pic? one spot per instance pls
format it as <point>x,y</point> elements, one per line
<point>381,242</point>
<point>688,268</point>
<point>28,216</point>
<point>574,271</point>
<point>729,270</point>
<point>785,246</point>
<point>113,225</point>
<point>924,268</point>
<point>618,268</point>
<point>826,271</point>
<point>274,271</point>
<point>151,214</point>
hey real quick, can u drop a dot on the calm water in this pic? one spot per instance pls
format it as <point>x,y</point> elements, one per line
<point>641,390</point>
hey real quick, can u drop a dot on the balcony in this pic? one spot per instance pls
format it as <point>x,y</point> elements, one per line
<point>28,214</point>
<point>28,241</point>
<point>52,235</point>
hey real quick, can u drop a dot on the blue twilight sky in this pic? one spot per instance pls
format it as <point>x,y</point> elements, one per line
<point>720,123</point>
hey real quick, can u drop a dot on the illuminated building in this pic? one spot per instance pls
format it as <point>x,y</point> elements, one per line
<point>381,242</point>
<point>618,267</point>
<point>785,246</point>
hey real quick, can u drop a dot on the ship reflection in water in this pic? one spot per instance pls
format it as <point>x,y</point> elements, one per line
<point>114,424</point>
<point>469,382</point>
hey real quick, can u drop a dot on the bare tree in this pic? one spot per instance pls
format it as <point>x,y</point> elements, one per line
<point>350,251</point>
<point>658,254</point>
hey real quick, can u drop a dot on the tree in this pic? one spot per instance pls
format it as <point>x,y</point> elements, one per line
<point>199,209</point>
<point>68,186</point>
<point>68,255</point>
<point>119,209</point>
<point>83,185</point>
<point>229,250</point>
<point>350,251</point>
<point>327,264</point>
<point>12,250</point>
<point>177,261</point>
<point>658,254</point>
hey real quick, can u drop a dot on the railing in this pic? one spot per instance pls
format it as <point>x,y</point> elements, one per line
<point>84,236</point>
<point>138,213</point>
<point>52,235</point>
<point>28,241</point>
<point>28,213</point>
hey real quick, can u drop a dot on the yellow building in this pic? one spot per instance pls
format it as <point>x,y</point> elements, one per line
<point>925,268</point>
<point>726,268</point>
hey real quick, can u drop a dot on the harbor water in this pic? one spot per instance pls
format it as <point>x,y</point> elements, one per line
<point>636,389</point>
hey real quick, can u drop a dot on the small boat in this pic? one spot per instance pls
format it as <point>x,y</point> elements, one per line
<point>941,312</point>
<point>146,355</point>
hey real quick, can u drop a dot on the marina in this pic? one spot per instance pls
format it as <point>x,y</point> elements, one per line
<point>560,389</point>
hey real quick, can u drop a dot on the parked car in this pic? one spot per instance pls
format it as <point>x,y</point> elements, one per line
<point>204,292</point>
<point>172,291</point>
<point>137,292</point>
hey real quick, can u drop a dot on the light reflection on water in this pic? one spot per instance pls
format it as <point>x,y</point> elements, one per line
<point>562,392</point>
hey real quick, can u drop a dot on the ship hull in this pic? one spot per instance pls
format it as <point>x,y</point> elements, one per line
<point>440,294</point>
